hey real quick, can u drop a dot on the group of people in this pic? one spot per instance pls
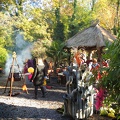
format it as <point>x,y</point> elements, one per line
<point>91,61</point>
<point>40,72</point>
<point>84,62</point>
<point>38,76</point>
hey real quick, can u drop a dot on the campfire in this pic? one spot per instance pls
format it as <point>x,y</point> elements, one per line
<point>24,88</point>
<point>13,76</point>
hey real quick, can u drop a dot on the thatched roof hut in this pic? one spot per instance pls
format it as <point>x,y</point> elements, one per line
<point>93,37</point>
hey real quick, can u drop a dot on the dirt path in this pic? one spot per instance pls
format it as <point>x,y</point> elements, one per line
<point>24,106</point>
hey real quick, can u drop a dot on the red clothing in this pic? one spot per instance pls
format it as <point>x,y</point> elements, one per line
<point>29,76</point>
<point>26,68</point>
<point>105,64</point>
<point>95,66</point>
<point>99,76</point>
<point>78,59</point>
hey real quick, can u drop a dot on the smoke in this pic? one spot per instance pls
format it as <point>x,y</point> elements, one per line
<point>23,52</point>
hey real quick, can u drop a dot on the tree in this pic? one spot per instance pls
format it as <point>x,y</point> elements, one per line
<point>38,48</point>
<point>5,39</point>
<point>79,19</point>
<point>58,33</point>
<point>56,19</point>
<point>32,27</point>
<point>57,52</point>
<point>66,18</point>
<point>3,56</point>
<point>28,21</point>
<point>116,28</point>
<point>107,12</point>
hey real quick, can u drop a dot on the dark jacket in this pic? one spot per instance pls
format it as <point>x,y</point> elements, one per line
<point>46,68</point>
<point>37,77</point>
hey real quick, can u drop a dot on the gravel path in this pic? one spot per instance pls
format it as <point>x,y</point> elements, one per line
<point>24,106</point>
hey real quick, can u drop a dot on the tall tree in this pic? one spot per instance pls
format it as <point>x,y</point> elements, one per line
<point>80,18</point>
<point>59,27</point>
<point>116,28</point>
<point>28,22</point>
<point>105,11</point>
<point>5,40</point>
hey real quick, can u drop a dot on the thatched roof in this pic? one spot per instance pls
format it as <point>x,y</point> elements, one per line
<point>92,37</point>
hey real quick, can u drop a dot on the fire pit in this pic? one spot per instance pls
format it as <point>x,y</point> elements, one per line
<point>14,76</point>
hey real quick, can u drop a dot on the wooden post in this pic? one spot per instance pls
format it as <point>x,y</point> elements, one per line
<point>99,51</point>
<point>11,77</point>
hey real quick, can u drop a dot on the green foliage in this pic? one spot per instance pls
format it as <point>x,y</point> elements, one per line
<point>58,20</point>
<point>33,26</point>
<point>3,56</point>
<point>111,80</point>
<point>5,38</point>
<point>39,48</point>
<point>80,19</point>
<point>58,33</point>
<point>119,33</point>
<point>57,53</point>
<point>5,31</point>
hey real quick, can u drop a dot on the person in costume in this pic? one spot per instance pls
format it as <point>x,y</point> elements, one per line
<point>38,78</point>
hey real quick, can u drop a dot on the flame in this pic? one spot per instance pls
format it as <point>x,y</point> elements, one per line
<point>24,87</point>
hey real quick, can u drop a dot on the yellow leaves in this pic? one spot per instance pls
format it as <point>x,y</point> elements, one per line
<point>56,3</point>
<point>110,112</point>
<point>105,12</point>
<point>67,10</point>
<point>112,115</point>
<point>103,111</point>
